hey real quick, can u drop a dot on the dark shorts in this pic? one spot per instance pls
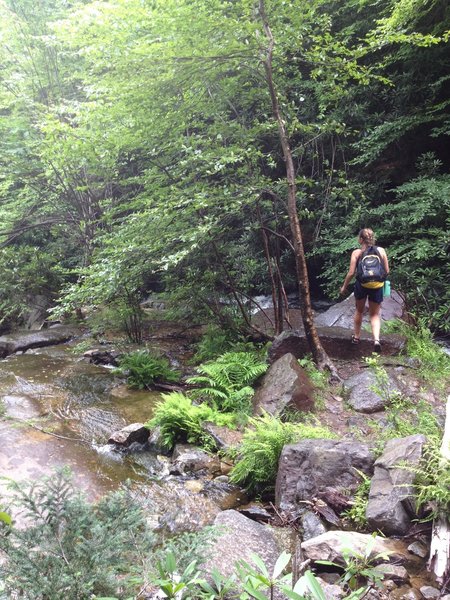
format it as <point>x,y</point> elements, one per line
<point>374,295</point>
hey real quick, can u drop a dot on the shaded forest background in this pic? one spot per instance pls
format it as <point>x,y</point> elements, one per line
<point>139,155</point>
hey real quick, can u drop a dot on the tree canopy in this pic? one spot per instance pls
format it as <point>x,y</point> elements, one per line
<point>139,150</point>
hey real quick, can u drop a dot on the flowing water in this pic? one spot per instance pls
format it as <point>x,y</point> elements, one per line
<point>59,411</point>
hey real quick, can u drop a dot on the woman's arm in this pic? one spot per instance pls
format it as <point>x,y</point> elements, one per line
<point>351,270</point>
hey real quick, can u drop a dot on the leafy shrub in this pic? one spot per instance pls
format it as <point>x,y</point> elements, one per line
<point>179,419</point>
<point>70,548</point>
<point>214,342</point>
<point>143,369</point>
<point>434,362</point>
<point>261,448</point>
<point>357,513</point>
<point>226,382</point>
<point>432,482</point>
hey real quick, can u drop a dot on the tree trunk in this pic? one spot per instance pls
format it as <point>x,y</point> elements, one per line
<point>319,355</point>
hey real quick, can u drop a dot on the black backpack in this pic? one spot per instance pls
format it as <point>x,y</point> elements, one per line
<point>370,266</point>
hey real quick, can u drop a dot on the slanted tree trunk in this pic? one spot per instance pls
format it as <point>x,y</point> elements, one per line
<point>320,357</point>
<point>439,561</point>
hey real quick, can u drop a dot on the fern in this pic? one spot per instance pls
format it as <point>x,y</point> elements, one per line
<point>226,382</point>
<point>179,419</point>
<point>261,448</point>
<point>144,368</point>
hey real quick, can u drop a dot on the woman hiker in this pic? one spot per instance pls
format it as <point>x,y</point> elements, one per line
<point>373,290</point>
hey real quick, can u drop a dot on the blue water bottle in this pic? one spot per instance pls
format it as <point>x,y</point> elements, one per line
<point>387,289</point>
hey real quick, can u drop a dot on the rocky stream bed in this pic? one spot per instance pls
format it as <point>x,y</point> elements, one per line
<point>61,409</point>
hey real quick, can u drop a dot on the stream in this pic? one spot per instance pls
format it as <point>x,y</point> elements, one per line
<point>58,410</point>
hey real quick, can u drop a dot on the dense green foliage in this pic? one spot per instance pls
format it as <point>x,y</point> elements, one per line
<point>263,441</point>
<point>139,153</point>
<point>181,420</point>
<point>143,369</point>
<point>226,382</point>
<point>70,547</point>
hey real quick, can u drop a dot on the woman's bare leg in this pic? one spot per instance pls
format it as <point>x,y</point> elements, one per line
<point>359,312</point>
<point>375,320</point>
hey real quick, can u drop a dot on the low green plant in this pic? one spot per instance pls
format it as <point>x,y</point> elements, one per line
<point>180,419</point>
<point>357,513</point>
<point>434,363</point>
<point>226,382</point>
<point>432,483</point>
<point>143,369</point>
<point>359,567</point>
<point>213,343</point>
<point>81,347</point>
<point>69,547</point>
<point>173,583</point>
<point>261,448</point>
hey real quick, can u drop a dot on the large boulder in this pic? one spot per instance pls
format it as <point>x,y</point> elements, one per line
<point>285,384</point>
<point>390,507</point>
<point>336,342</point>
<point>313,467</point>
<point>241,537</point>
<point>342,313</point>
<point>22,341</point>
<point>334,545</point>
<point>365,395</point>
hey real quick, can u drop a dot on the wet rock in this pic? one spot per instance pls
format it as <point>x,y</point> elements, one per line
<point>390,505</point>
<point>136,432</point>
<point>256,513</point>
<point>336,342</point>
<point>311,467</point>
<point>224,437</point>
<point>98,356</point>
<point>156,442</point>
<point>333,545</point>
<point>363,398</point>
<point>23,341</point>
<point>241,537</point>
<point>285,384</point>
<point>406,593</point>
<point>190,459</point>
<point>418,549</point>
<point>225,495</point>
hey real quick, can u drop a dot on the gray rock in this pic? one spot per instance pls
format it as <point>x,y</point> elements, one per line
<point>341,314</point>
<point>312,467</point>
<point>333,544</point>
<point>241,537</point>
<point>365,399</point>
<point>331,591</point>
<point>136,432</point>
<point>336,342</point>
<point>390,505</point>
<point>429,593</point>
<point>285,384</point>
<point>22,341</point>
<point>312,526</point>
<point>156,442</point>
<point>190,459</point>
<point>395,573</point>
<point>418,549</point>
<point>224,437</point>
